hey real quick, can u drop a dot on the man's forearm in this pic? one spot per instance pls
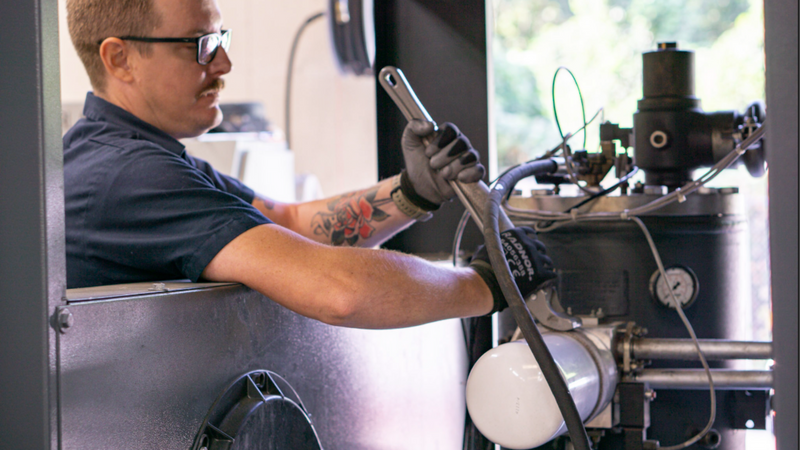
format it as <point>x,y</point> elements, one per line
<point>363,218</point>
<point>360,288</point>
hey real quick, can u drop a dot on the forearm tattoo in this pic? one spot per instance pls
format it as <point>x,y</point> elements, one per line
<point>350,217</point>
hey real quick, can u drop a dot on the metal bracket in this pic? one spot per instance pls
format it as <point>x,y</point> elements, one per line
<point>541,306</point>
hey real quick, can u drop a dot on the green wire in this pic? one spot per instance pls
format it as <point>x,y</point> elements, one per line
<point>555,111</point>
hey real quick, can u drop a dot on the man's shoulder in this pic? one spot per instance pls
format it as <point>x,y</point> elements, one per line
<point>88,135</point>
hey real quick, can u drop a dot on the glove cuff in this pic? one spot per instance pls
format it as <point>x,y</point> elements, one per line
<point>405,205</point>
<point>417,200</point>
<point>484,269</point>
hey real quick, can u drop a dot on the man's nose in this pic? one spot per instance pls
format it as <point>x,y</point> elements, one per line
<point>222,63</point>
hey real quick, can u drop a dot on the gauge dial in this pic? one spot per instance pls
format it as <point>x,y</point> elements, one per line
<point>683,283</point>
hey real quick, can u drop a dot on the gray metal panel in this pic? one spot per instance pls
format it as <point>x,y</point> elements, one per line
<point>782,141</point>
<point>117,291</point>
<point>143,372</point>
<point>32,275</point>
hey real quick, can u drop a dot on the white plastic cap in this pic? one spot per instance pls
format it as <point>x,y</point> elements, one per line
<point>510,401</point>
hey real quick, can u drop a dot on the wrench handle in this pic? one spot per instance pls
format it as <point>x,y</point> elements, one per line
<point>472,195</point>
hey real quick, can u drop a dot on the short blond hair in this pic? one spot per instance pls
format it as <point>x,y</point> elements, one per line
<point>91,21</point>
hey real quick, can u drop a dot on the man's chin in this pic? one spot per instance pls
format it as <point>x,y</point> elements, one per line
<point>203,126</point>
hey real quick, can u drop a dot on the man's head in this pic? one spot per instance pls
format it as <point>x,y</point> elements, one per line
<point>161,83</point>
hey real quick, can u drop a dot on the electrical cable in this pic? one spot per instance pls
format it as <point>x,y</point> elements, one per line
<point>551,372</point>
<point>546,155</point>
<point>558,219</point>
<point>688,325</point>
<point>289,70</point>
<point>555,112</point>
<point>604,192</point>
<point>570,168</point>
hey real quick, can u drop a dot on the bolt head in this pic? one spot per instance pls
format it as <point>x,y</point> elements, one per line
<point>65,319</point>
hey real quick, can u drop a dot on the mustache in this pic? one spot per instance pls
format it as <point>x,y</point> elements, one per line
<point>215,86</point>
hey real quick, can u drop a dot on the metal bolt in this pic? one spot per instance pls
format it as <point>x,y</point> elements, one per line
<point>65,320</point>
<point>650,394</point>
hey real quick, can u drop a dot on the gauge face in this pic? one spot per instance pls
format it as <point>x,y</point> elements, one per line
<point>683,283</point>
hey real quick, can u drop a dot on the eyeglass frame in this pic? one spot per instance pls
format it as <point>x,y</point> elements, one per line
<point>223,36</point>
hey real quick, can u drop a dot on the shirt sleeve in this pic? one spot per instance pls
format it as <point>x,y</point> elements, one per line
<point>226,183</point>
<point>160,214</point>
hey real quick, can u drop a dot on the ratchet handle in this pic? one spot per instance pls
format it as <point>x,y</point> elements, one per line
<point>472,195</point>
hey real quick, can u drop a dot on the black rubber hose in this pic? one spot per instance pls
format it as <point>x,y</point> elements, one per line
<point>491,233</point>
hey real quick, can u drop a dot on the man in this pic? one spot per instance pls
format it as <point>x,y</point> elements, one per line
<point>138,208</point>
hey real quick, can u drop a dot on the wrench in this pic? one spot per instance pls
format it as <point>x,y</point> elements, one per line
<point>473,195</point>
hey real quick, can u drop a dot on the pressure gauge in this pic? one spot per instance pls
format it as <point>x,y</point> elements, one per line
<point>683,283</point>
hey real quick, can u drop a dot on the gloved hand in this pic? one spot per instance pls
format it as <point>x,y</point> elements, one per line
<point>449,156</point>
<point>527,259</point>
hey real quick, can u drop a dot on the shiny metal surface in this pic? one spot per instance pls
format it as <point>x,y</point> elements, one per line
<point>135,290</point>
<point>599,342</point>
<point>703,202</point>
<point>713,349</point>
<point>142,372</point>
<point>32,257</point>
<point>697,379</point>
<point>542,310</point>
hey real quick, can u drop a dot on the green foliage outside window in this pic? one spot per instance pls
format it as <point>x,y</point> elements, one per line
<point>601,42</point>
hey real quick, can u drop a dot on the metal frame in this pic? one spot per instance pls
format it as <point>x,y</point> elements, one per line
<point>780,17</point>
<point>32,263</point>
<point>32,259</point>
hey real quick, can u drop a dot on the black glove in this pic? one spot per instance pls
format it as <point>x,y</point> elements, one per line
<point>449,156</point>
<point>527,259</point>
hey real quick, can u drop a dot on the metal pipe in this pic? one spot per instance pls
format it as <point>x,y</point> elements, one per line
<point>713,349</point>
<point>686,379</point>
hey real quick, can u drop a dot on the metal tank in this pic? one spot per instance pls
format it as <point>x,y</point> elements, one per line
<point>607,270</point>
<point>219,366</point>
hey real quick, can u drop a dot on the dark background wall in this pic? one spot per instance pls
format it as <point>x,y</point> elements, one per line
<point>440,45</point>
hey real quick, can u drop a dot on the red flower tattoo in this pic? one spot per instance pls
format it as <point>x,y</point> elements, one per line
<point>350,218</point>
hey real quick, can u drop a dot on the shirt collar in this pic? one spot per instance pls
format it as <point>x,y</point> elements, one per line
<point>98,109</point>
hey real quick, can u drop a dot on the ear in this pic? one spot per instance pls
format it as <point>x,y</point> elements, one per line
<point>116,55</point>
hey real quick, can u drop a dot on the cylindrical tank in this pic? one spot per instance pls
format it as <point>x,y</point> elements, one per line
<point>510,401</point>
<point>607,269</point>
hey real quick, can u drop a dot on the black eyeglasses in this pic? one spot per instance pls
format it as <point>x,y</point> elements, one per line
<point>207,44</point>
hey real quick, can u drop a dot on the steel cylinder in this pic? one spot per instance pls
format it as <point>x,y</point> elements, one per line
<point>668,78</point>
<point>713,349</point>
<point>697,379</point>
<point>510,401</point>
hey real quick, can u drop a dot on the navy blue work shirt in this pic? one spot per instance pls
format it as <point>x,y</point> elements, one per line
<point>138,208</point>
